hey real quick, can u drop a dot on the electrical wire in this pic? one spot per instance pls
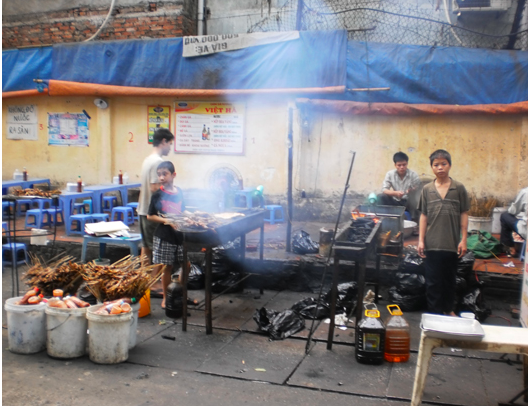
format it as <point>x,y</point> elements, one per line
<point>104,22</point>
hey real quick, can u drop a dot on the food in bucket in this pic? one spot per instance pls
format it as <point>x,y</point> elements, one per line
<point>69,302</point>
<point>30,293</point>
<point>116,307</point>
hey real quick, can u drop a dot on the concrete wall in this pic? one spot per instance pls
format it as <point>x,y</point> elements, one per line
<point>111,149</point>
<point>490,154</point>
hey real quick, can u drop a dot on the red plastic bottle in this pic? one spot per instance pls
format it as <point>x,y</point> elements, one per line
<point>120,177</point>
<point>397,336</point>
<point>25,174</point>
<point>79,184</point>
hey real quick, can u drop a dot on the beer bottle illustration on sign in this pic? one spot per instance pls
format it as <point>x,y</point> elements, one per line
<point>204,133</point>
<point>208,133</point>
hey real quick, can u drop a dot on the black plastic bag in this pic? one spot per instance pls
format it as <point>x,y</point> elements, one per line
<point>407,303</point>
<point>409,284</point>
<point>465,269</point>
<point>303,244</point>
<point>412,263</point>
<point>84,294</point>
<point>224,259</point>
<point>229,284</point>
<point>473,302</point>
<point>196,279</point>
<point>461,286</point>
<point>309,310</point>
<point>346,297</point>
<point>279,325</point>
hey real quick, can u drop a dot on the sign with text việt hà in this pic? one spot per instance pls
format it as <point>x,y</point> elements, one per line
<point>70,129</point>
<point>158,117</point>
<point>22,122</point>
<point>209,128</point>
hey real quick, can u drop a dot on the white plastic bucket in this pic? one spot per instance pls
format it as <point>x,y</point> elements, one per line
<point>66,332</point>
<point>38,237</point>
<point>26,327</point>
<point>495,224</point>
<point>133,327</point>
<point>479,223</point>
<point>109,336</point>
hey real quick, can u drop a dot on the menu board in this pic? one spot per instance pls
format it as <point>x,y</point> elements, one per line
<point>158,117</point>
<point>209,128</point>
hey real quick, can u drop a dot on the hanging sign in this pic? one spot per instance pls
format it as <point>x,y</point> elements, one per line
<point>209,128</point>
<point>22,122</point>
<point>210,44</point>
<point>68,129</point>
<point>158,117</point>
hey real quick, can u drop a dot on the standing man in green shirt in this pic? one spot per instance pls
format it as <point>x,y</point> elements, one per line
<point>444,206</point>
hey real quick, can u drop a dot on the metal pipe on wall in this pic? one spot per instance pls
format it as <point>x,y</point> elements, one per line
<point>201,8</point>
<point>290,180</point>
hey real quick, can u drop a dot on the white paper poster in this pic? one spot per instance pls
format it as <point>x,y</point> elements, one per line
<point>22,122</point>
<point>209,128</point>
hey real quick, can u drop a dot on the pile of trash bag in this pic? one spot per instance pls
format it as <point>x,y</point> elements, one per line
<point>412,263</point>
<point>303,244</point>
<point>279,325</point>
<point>408,292</point>
<point>473,302</point>
<point>346,301</point>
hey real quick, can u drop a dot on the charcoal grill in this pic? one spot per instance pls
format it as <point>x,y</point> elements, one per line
<point>357,251</point>
<point>196,240</point>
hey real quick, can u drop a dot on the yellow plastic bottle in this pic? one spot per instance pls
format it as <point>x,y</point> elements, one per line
<point>397,336</point>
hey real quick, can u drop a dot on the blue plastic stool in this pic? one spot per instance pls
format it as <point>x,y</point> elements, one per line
<point>7,208</point>
<point>89,203</point>
<point>22,202</point>
<point>13,249</point>
<point>124,214</point>
<point>81,220</point>
<point>134,206</point>
<point>273,209</point>
<point>53,213</point>
<point>97,217</point>
<point>41,203</point>
<point>109,202</point>
<point>79,207</point>
<point>38,218</point>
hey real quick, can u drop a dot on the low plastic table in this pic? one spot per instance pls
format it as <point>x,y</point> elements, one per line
<point>511,340</point>
<point>132,243</point>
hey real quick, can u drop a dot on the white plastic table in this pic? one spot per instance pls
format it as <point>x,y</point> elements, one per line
<point>511,340</point>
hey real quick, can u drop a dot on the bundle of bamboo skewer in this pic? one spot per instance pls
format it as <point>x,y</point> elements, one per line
<point>482,207</point>
<point>127,278</point>
<point>60,273</point>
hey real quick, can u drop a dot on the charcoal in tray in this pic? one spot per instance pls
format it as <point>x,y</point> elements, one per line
<point>360,230</point>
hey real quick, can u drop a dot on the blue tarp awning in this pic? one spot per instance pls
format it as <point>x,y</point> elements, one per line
<point>318,59</point>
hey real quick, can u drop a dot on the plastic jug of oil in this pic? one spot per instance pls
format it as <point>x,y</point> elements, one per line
<point>370,338</point>
<point>174,299</point>
<point>397,336</point>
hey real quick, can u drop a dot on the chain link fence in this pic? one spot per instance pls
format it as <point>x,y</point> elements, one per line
<point>493,24</point>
